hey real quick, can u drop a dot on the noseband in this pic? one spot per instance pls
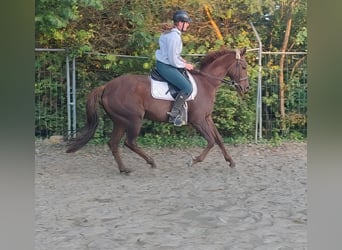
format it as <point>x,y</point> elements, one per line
<point>233,82</point>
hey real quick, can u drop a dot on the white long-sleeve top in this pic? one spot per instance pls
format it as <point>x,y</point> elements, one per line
<point>170,48</point>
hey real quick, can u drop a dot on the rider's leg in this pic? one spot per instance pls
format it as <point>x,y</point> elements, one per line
<point>174,76</point>
<point>177,116</point>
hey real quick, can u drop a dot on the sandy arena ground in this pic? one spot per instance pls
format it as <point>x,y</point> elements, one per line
<point>84,203</point>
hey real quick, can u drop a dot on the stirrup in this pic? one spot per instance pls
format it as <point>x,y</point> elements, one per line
<point>173,113</point>
<point>178,121</point>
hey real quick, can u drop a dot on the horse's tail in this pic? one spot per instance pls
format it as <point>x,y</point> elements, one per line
<point>92,122</point>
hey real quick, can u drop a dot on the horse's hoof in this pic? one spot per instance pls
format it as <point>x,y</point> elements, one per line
<point>125,171</point>
<point>232,164</point>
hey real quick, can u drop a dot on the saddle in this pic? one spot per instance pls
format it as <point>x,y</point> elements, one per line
<point>173,90</point>
<point>161,89</point>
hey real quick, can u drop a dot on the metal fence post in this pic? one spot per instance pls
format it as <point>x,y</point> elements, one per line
<point>68,94</point>
<point>71,97</point>
<point>73,103</point>
<point>258,120</point>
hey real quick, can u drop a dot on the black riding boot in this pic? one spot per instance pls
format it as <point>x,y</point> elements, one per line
<point>177,113</point>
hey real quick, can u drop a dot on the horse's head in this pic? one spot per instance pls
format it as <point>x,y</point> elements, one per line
<point>238,72</point>
<point>225,62</point>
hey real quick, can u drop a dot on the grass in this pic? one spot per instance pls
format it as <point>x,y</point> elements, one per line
<point>181,141</point>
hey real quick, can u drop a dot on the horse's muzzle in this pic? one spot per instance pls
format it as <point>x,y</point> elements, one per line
<point>243,86</point>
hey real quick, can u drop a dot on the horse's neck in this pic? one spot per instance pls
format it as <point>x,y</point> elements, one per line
<point>220,66</point>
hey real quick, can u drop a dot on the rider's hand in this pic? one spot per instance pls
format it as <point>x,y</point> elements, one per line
<point>189,66</point>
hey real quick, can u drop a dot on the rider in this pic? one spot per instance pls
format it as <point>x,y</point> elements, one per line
<point>171,65</point>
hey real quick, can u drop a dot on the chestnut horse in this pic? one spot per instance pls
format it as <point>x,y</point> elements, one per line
<point>127,100</point>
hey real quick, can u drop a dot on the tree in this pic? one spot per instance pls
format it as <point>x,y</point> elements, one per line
<point>56,24</point>
<point>288,15</point>
<point>291,38</point>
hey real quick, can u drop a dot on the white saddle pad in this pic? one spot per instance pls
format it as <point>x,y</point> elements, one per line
<point>160,90</point>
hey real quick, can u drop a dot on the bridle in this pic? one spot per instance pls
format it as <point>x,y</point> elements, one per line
<point>224,80</point>
<point>228,81</point>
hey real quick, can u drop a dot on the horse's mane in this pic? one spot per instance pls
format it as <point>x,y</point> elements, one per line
<point>214,55</point>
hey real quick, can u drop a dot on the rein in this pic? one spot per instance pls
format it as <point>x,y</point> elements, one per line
<point>227,81</point>
<point>232,82</point>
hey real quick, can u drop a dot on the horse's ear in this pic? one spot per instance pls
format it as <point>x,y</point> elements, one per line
<point>243,51</point>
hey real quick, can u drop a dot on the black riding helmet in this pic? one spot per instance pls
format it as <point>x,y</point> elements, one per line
<point>181,16</point>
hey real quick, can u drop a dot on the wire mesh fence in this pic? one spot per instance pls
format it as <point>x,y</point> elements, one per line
<point>295,92</point>
<point>50,94</point>
<point>51,91</point>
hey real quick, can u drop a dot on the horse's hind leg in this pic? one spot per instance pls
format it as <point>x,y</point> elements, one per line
<point>131,142</point>
<point>114,143</point>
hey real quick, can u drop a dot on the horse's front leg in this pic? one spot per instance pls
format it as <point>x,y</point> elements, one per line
<point>203,154</point>
<point>209,131</point>
<point>219,141</point>
<point>204,128</point>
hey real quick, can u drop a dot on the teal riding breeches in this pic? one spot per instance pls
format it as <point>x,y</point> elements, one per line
<point>175,77</point>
